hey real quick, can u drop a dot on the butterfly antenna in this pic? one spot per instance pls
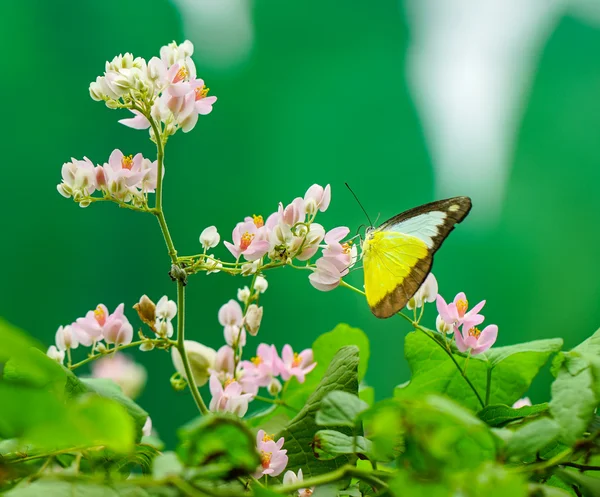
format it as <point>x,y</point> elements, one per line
<point>361,206</point>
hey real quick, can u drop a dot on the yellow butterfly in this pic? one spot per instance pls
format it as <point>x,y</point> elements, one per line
<point>398,255</point>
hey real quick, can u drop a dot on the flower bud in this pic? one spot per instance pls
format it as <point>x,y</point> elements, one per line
<point>316,199</point>
<point>253,318</point>
<point>243,294</point>
<point>210,237</point>
<point>442,326</point>
<point>224,361</point>
<point>124,371</point>
<point>261,284</point>
<point>66,338</point>
<point>274,387</point>
<point>147,429</point>
<point>55,354</point>
<point>201,358</point>
<point>146,310</point>
<point>250,267</point>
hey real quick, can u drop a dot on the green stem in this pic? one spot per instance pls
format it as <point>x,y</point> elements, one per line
<point>338,474</point>
<point>181,348</point>
<point>156,341</point>
<point>277,402</point>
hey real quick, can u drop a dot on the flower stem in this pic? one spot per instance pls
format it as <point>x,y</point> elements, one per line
<point>181,348</point>
<point>488,385</point>
<point>277,402</point>
<point>156,341</point>
<point>338,474</point>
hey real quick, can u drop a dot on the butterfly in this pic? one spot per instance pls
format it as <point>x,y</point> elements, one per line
<point>397,256</point>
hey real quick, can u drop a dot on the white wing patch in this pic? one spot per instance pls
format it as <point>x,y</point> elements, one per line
<point>424,226</point>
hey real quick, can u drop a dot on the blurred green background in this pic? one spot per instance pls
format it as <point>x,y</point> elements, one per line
<point>405,101</point>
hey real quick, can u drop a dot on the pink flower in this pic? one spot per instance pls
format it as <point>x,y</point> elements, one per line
<point>316,199</point>
<point>273,458</point>
<point>294,364</point>
<point>224,363</point>
<point>525,401</point>
<point>228,399</point>
<point>230,314</point>
<point>264,366</point>
<point>124,175</point>
<point>327,274</point>
<point>293,213</point>
<point>117,328</point>
<point>249,240</point>
<point>137,122</point>
<point>470,337</point>
<point>456,312</point>
<point>346,253</point>
<point>91,327</point>
<point>78,180</point>
<point>121,369</point>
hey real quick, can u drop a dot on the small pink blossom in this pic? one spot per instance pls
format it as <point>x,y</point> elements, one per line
<point>125,176</point>
<point>249,240</point>
<point>525,401</point>
<point>327,274</point>
<point>78,180</point>
<point>90,328</point>
<point>456,312</point>
<point>138,122</point>
<point>117,328</point>
<point>294,364</point>
<point>264,366</point>
<point>230,314</point>
<point>272,456</point>
<point>224,363</point>
<point>471,338</point>
<point>311,242</point>
<point>293,213</point>
<point>56,354</point>
<point>316,199</point>
<point>345,253</point>
<point>228,399</point>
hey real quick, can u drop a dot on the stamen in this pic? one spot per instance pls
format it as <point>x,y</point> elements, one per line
<point>265,459</point>
<point>100,315</point>
<point>127,162</point>
<point>181,74</point>
<point>259,222</point>
<point>246,240</point>
<point>347,247</point>
<point>256,361</point>
<point>228,382</point>
<point>297,360</point>
<point>201,92</point>
<point>474,332</point>
<point>267,438</point>
<point>462,306</point>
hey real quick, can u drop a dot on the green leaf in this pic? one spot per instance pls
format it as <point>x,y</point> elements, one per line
<point>220,446</point>
<point>328,444</point>
<point>342,375</point>
<point>441,434</point>
<point>405,485</point>
<point>383,427</point>
<point>492,480</point>
<point>433,371</point>
<point>33,407</point>
<point>574,396</point>
<point>532,437</point>
<point>366,394</point>
<point>53,488</point>
<point>537,490</point>
<point>499,414</point>
<point>340,409</point>
<point>166,464</point>
<point>109,389</point>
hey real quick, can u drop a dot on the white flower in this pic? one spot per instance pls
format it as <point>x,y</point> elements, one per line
<point>66,338</point>
<point>291,478</point>
<point>261,284</point>
<point>55,354</point>
<point>426,293</point>
<point>213,264</point>
<point>274,387</point>
<point>172,53</point>
<point>201,358</point>
<point>253,318</point>
<point>210,237</point>
<point>243,294</point>
<point>525,401</point>
<point>235,336</point>
<point>147,429</point>
<point>78,180</point>
<point>250,267</point>
<point>165,308</point>
<point>442,326</point>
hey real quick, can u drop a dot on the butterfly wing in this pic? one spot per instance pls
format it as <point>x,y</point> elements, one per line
<point>398,255</point>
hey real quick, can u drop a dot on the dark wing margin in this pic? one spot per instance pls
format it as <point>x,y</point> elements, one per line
<point>453,216</point>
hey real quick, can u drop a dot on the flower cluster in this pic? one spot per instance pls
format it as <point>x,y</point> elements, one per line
<point>124,178</point>
<point>456,318</point>
<point>273,458</point>
<point>165,89</point>
<point>96,326</point>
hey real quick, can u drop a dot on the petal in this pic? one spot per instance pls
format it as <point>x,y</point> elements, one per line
<point>336,234</point>
<point>460,296</point>
<point>236,252</point>
<point>486,339</point>
<point>476,309</point>
<point>460,341</point>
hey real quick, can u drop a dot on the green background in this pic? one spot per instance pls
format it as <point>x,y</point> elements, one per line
<point>322,97</point>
